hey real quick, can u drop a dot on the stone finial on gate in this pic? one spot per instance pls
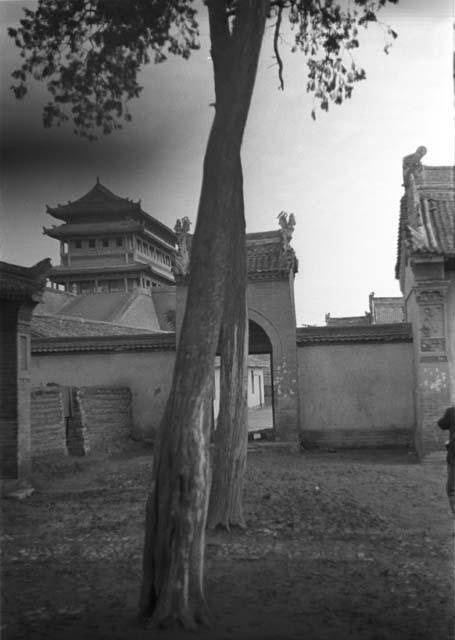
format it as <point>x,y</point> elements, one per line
<point>181,263</point>
<point>287,224</point>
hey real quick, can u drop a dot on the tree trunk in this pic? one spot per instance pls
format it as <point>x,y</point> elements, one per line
<point>231,434</point>
<point>173,562</point>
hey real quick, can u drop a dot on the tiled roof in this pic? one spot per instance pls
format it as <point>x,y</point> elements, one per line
<point>102,203</point>
<point>433,229</point>
<point>430,176</point>
<point>265,254</point>
<point>163,341</point>
<point>106,228</point>
<point>438,213</point>
<point>55,326</point>
<point>21,283</point>
<point>61,270</point>
<point>92,228</point>
<point>347,320</point>
<point>400,332</point>
<point>427,214</point>
<point>99,199</point>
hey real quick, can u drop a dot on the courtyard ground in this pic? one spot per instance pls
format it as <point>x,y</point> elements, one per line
<point>340,545</point>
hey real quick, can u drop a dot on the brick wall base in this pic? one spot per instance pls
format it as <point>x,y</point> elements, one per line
<point>48,422</point>
<point>356,438</point>
<point>100,420</point>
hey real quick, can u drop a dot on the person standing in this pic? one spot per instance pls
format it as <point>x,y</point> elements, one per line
<point>447,422</point>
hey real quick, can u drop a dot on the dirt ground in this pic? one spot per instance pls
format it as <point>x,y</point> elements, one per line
<point>340,545</point>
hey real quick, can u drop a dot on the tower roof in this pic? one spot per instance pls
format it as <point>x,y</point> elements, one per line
<point>101,204</point>
<point>98,200</point>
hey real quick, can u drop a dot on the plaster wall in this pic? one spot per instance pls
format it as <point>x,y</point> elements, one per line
<point>148,374</point>
<point>356,394</point>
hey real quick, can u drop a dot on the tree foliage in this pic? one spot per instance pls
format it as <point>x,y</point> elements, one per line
<point>90,52</point>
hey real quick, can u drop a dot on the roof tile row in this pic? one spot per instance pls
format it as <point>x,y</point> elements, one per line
<point>398,332</point>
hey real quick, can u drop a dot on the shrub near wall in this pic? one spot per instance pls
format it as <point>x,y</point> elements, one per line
<point>105,414</point>
<point>47,422</point>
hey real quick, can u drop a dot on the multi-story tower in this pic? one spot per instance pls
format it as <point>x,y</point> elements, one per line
<point>108,243</point>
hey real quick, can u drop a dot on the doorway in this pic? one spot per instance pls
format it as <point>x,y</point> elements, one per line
<point>261,412</point>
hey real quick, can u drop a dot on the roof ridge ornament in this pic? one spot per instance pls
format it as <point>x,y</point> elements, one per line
<point>181,261</point>
<point>412,164</point>
<point>287,224</point>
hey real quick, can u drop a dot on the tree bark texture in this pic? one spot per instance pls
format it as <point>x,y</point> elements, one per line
<point>173,561</point>
<point>231,434</point>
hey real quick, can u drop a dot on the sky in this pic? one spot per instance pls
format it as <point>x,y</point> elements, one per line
<point>340,175</point>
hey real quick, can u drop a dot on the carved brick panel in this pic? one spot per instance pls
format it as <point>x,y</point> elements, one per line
<point>432,326</point>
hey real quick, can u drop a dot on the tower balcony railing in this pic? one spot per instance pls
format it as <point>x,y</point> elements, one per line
<point>97,251</point>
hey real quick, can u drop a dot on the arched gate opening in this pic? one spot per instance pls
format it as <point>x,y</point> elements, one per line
<point>261,425</point>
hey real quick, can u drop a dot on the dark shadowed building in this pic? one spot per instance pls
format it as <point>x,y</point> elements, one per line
<point>21,289</point>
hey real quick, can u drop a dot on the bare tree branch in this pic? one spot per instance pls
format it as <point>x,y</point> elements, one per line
<point>276,36</point>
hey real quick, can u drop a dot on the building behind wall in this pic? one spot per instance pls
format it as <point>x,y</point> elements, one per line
<point>382,310</point>
<point>109,244</point>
